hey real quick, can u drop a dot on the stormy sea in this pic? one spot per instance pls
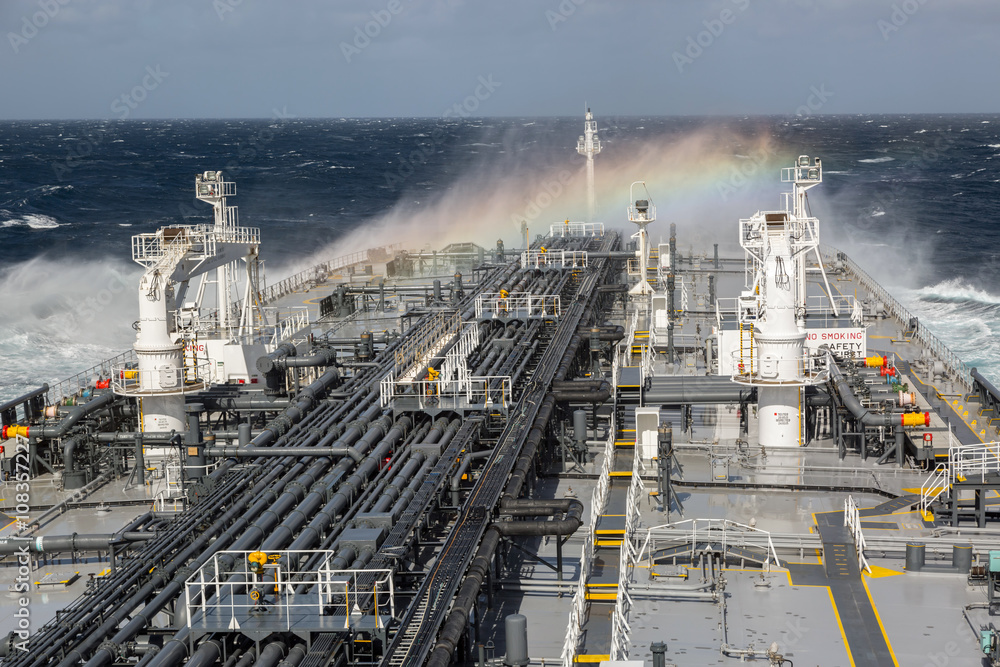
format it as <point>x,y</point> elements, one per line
<point>910,198</point>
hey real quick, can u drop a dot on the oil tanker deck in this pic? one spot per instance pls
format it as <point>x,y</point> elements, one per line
<point>590,450</point>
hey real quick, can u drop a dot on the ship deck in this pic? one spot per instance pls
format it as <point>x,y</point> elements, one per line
<point>814,602</point>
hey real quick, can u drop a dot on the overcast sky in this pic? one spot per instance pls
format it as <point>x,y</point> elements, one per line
<point>355,58</point>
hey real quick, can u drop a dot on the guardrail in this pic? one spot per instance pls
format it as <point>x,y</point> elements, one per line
<point>770,371</point>
<point>576,229</point>
<point>958,368</point>
<point>578,606</point>
<point>517,305</point>
<point>722,531</point>
<point>554,259</point>
<point>84,380</point>
<point>127,380</point>
<point>964,462</point>
<point>852,519</point>
<point>320,272</point>
<point>227,595</point>
<point>620,629</point>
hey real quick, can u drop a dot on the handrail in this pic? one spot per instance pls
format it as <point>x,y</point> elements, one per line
<point>852,520</point>
<point>951,360</point>
<point>320,271</point>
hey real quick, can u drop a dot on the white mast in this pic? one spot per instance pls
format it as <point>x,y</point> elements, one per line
<point>589,145</point>
<point>773,308</point>
<point>642,212</point>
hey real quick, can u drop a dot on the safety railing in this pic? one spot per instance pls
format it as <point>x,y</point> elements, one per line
<point>852,520</point>
<point>83,382</point>
<point>576,229</point>
<point>697,532</point>
<point>235,587</point>
<point>287,326</point>
<point>162,503</point>
<point>487,391</point>
<point>770,371</point>
<point>517,305</point>
<point>620,629</point>
<point>127,380</point>
<point>417,349</point>
<point>958,368</point>
<point>965,463</point>
<point>934,486</point>
<point>578,605</point>
<point>320,272</point>
<point>554,259</point>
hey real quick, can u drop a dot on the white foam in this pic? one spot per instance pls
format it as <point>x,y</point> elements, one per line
<point>62,317</point>
<point>877,160</point>
<point>38,221</point>
<point>32,220</point>
<point>958,290</point>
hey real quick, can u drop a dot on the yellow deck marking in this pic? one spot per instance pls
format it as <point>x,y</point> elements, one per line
<point>878,618</point>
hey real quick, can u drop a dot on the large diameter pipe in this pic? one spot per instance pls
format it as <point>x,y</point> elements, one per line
<point>694,390</point>
<point>852,403</point>
<point>568,525</point>
<point>76,414</point>
<point>245,452</point>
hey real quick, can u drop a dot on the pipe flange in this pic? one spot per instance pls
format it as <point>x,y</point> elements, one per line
<point>323,490</point>
<point>294,484</point>
<point>183,573</point>
<point>116,650</point>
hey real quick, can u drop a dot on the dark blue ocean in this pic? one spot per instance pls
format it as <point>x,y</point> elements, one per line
<point>911,198</point>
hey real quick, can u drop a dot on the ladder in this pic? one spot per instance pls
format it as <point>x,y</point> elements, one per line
<point>399,656</point>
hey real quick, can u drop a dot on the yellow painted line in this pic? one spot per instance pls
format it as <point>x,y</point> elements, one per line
<point>878,572</point>
<point>612,515</point>
<point>12,522</point>
<point>609,532</point>
<point>840,625</point>
<point>881,627</point>
<point>601,596</point>
<point>620,473</point>
<point>597,657</point>
<point>603,585</point>
<point>933,489</point>
<point>608,543</point>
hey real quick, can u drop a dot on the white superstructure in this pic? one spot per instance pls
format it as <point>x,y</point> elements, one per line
<point>772,355</point>
<point>181,345</point>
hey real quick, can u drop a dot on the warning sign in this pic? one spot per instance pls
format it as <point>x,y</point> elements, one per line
<point>846,342</point>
